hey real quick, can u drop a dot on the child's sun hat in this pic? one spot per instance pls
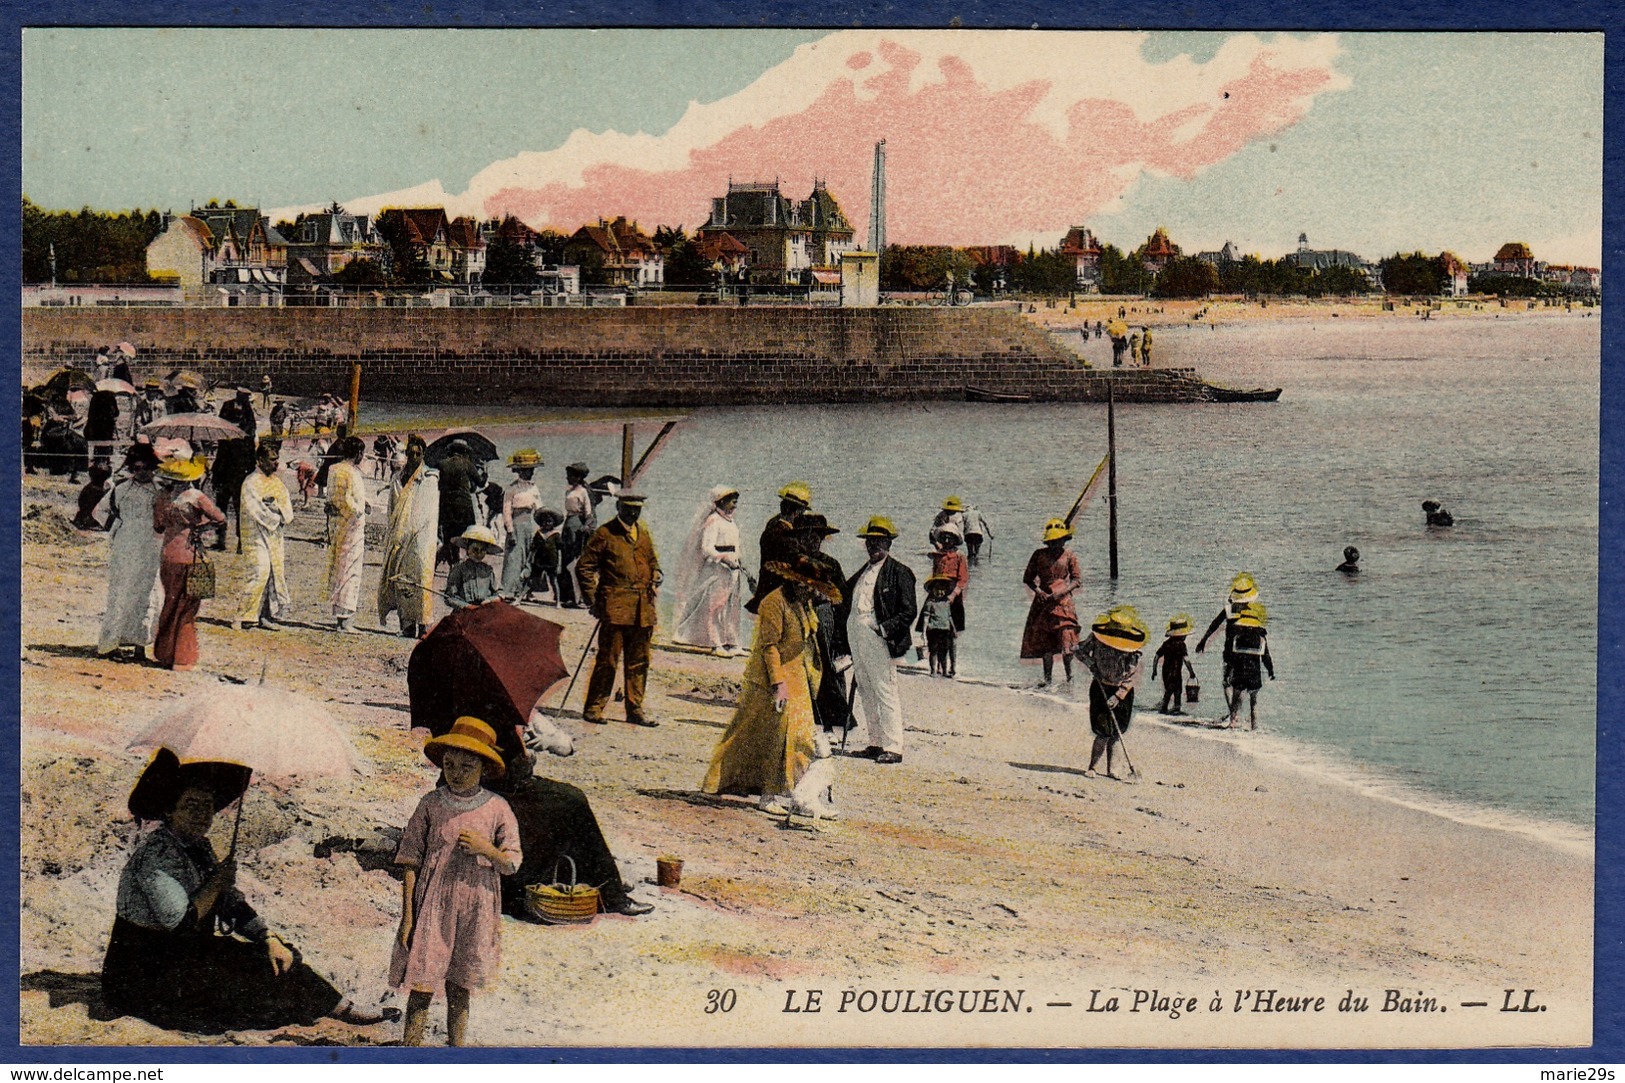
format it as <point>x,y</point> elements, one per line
<point>471,735</point>
<point>1120,628</point>
<point>1180,625</point>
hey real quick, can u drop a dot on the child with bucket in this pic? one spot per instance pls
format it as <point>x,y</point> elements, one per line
<point>1250,659</point>
<point>1113,655</point>
<point>1175,660</point>
<point>460,842</point>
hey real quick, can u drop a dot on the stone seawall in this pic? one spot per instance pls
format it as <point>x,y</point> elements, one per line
<point>604,357</point>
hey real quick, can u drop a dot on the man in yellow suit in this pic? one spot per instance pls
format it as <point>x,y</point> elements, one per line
<point>620,576</point>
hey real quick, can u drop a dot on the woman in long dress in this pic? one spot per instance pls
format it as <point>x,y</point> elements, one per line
<point>180,514</point>
<point>1053,575</point>
<point>134,555</point>
<point>347,551</point>
<point>404,584</point>
<point>772,747</point>
<point>710,578</point>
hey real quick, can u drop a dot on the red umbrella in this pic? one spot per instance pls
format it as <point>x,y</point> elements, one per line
<point>492,661</point>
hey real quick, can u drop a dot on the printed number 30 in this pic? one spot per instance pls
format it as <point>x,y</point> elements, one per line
<point>719,1000</point>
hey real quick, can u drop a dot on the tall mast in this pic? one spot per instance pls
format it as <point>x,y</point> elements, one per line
<point>877,201</point>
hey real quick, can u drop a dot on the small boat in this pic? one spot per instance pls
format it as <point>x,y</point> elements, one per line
<point>1230,394</point>
<point>982,394</point>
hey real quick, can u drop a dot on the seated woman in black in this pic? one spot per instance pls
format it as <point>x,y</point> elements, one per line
<point>187,951</point>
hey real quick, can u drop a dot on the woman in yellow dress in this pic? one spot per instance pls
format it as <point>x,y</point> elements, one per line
<point>773,747</point>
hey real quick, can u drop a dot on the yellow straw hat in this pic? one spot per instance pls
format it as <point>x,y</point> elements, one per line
<point>1243,588</point>
<point>1252,616</point>
<point>478,534</point>
<point>527,458</point>
<point>797,492</point>
<point>181,469</point>
<point>471,735</point>
<point>878,526</point>
<point>1180,625</point>
<point>1120,628</point>
<point>953,503</point>
<point>1056,529</point>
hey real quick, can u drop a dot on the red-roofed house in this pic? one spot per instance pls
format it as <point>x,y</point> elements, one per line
<point>723,252</point>
<point>422,230</point>
<point>1456,271</point>
<point>1515,258</point>
<point>1158,251</point>
<point>184,250</point>
<point>1080,246</point>
<point>627,255</point>
<point>467,249</point>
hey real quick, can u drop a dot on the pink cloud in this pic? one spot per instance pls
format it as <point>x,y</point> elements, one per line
<point>977,151</point>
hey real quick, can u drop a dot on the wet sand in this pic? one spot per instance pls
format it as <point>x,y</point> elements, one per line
<point>985,861</point>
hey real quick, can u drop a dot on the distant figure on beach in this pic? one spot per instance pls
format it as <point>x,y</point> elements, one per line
<point>101,425</point>
<point>279,419</point>
<point>1243,589</point>
<point>1113,655</point>
<point>1436,515</point>
<point>976,532</point>
<point>544,555</point>
<point>91,495</point>
<point>778,543</point>
<point>1053,575</point>
<point>265,391</point>
<point>952,514</point>
<point>267,510</point>
<point>347,523</point>
<point>1145,346</point>
<point>180,513</point>
<point>1119,348</point>
<point>710,579</point>
<point>580,520</point>
<point>519,503</point>
<point>459,482</point>
<point>1175,661</point>
<point>620,577</point>
<point>409,546</point>
<point>831,699</point>
<point>1351,561</point>
<point>1251,652</point>
<point>880,609</point>
<point>134,553</point>
<point>234,462</point>
<point>950,562</point>
<point>461,841</point>
<point>773,748</point>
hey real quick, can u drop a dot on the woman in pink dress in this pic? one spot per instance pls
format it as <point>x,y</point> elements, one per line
<point>1053,575</point>
<point>460,842</point>
<point>179,514</point>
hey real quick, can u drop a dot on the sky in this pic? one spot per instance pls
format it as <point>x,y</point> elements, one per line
<point>1374,143</point>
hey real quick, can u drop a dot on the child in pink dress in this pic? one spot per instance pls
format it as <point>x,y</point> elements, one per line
<point>461,840</point>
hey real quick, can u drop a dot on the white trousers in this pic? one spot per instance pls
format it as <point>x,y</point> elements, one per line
<point>877,700</point>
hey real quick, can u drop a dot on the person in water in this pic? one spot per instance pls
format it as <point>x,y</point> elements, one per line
<point>1436,514</point>
<point>1351,561</point>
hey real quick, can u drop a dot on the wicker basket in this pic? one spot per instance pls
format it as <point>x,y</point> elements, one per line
<point>559,903</point>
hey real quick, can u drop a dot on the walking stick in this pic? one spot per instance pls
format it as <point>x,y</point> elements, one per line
<point>1118,733</point>
<point>591,638</point>
<point>851,698</point>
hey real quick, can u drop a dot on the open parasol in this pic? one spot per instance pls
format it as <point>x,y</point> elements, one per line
<point>279,735</point>
<point>186,378</point>
<point>480,448</point>
<point>66,380</point>
<point>193,427</point>
<point>126,349</point>
<point>493,661</point>
<point>117,387</point>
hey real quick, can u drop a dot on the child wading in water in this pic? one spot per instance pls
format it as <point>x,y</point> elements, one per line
<point>1112,654</point>
<point>461,840</point>
<point>1173,658</point>
<point>937,621</point>
<point>1252,651</point>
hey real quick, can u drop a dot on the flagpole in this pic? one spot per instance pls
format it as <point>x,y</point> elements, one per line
<point>1111,473</point>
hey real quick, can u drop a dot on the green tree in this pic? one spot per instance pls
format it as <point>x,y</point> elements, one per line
<point>509,263</point>
<point>1186,276</point>
<point>361,272</point>
<point>1122,273</point>
<point>1413,275</point>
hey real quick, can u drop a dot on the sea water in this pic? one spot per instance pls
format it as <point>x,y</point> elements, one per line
<point>1458,667</point>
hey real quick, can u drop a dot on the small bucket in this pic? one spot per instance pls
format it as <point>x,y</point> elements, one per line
<point>668,872</point>
<point>1193,691</point>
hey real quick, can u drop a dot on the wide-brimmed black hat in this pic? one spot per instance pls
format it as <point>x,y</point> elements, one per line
<point>166,778</point>
<point>813,523</point>
<point>808,573</point>
<point>141,453</point>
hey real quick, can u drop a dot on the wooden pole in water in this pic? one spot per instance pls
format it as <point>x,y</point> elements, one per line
<point>355,393</point>
<point>626,456</point>
<point>1111,473</point>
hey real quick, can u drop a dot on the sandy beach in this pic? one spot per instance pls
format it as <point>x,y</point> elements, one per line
<point>1224,898</point>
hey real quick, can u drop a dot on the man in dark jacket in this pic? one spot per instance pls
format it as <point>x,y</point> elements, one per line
<point>878,611</point>
<point>234,462</point>
<point>459,481</point>
<point>780,540</point>
<point>830,704</point>
<point>619,576</point>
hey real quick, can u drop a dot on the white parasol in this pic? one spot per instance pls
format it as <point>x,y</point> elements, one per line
<point>194,427</point>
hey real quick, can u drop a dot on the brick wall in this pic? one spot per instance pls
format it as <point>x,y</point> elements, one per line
<point>607,357</point>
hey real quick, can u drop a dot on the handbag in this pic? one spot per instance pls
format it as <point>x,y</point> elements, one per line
<point>199,575</point>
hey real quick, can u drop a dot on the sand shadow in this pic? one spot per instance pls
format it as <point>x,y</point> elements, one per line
<point>1048,768</point>
<point>62,989</point>
<point>381,705</point>
<point>706,722</point>
<point>69,650</point>
<point>704,701</point>
<point>700,800</point>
